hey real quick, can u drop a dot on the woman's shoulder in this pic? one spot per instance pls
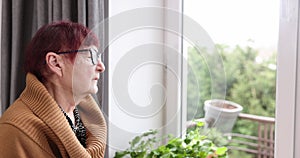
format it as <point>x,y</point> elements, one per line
<point>21,117</point>
<point>22,141</point>
<point>19,121</point>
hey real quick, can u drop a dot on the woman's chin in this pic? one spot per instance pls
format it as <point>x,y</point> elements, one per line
<point>94,90</point>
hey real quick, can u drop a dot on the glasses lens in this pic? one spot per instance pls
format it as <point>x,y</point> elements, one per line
<point>95,56</point>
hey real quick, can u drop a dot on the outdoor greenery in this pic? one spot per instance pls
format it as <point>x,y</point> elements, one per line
<point>244,79</point>
<point>249,83</point>
<point>195,144</point>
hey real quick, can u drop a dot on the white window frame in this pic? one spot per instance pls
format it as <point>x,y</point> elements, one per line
<point>177,126</point>
<point>288,83</point>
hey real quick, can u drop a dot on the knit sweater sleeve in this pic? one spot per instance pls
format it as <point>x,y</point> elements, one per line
<point>15,143</point>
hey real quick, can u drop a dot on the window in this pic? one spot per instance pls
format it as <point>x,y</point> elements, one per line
<point>234,58</point>
<point>287,60</point>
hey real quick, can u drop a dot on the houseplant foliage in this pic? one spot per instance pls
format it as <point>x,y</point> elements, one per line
<point>194,145</point>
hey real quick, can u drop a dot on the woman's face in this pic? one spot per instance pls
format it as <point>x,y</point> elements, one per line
<point>86,71</point>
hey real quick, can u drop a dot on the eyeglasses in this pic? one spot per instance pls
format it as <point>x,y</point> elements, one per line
<point>94,54</point>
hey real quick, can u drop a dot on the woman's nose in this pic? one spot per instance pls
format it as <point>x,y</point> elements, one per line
<point>100,66</point>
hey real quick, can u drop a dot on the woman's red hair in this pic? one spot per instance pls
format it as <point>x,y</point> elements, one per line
<point>56,37</point>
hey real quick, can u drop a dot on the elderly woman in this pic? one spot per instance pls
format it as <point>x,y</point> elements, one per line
<point>56,116</point>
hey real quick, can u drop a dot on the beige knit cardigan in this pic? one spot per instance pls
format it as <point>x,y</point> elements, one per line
<point>34,126</point>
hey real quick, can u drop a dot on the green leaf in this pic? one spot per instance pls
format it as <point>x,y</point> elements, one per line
<point>200,123</point>
<point>187,141</point>
<point>221,150</point>
<point>135,141</point>
<point>120,154</point>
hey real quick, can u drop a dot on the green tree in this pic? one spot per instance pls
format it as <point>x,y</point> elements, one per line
<point>249,83</point>
<point>206,79</point>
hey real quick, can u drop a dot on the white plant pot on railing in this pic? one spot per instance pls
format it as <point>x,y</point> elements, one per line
<point>221,114</point>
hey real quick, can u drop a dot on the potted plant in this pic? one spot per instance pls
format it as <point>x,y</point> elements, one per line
<point>194,145</point>
<point>221,114</point>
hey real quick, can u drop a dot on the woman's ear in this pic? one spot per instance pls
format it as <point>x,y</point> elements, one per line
<point>55,63</point>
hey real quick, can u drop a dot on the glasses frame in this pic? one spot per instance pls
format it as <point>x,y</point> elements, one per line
<point>94,56</point>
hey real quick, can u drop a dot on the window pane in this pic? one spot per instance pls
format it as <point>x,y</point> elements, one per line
<point>245,34</point>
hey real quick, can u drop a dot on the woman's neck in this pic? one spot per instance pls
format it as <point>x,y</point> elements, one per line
<point>64,97</point>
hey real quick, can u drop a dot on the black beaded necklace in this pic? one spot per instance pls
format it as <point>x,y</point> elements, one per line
<point>78,128</point>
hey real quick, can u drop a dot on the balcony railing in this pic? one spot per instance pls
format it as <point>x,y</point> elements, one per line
<point>260,145</point>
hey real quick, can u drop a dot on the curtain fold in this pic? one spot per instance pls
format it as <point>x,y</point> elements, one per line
<point>20,21</point>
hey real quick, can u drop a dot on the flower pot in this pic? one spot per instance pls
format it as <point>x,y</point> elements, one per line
<point>221,114</point>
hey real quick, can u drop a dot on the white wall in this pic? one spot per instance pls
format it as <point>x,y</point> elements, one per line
<point>136,65</point>
<point>144,69</point>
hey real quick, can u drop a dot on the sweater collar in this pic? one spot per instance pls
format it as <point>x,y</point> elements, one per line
<point>42,104</point>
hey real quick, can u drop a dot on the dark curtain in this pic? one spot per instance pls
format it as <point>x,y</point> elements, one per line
<point>20,21</point>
